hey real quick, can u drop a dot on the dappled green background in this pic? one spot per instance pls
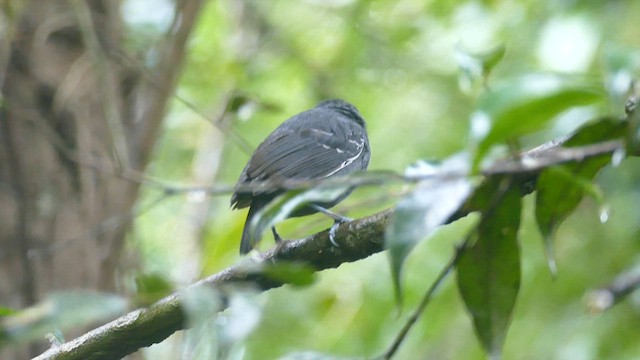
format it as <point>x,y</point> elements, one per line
<point>405,65</point>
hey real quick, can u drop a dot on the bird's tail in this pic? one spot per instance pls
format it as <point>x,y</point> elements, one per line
<point>247,242</point>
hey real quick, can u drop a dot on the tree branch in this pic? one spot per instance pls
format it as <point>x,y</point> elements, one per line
<point>143,327</point>
<point>604,298</point>
<point>357,239</point>
<point>154,93</point>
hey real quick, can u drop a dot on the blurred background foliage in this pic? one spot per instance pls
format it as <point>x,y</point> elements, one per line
<point>410,67</point>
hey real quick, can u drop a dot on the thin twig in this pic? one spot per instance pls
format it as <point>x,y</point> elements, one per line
<point>604,298</point>
<point>553,156</point>
<point>522,165</point>
<point>426,299</point>
<point>216,121</point>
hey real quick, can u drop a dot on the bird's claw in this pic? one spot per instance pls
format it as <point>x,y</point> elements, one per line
<point>334,228</point>
<point>340,219</point>
<point>332,234</point>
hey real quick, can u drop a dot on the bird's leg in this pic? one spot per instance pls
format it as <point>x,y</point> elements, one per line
<point>276,237</point>
<point>337,221</point>
<point>278,240</point>
<point>336,217</point>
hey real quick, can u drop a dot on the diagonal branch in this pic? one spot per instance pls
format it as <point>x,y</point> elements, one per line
<point>153,94</point>
<point>143,327</point>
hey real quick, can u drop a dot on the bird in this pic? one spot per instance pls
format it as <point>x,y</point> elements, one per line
<point>326,141</point>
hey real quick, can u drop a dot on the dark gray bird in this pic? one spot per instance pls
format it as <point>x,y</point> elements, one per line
<point>328,140</point>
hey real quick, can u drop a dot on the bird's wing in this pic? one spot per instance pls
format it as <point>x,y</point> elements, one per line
<point>309,153</point>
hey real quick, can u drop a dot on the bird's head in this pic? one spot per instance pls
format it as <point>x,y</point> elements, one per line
<point>344,108</point>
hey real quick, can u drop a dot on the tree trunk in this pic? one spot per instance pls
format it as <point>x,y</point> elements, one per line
<point>76,121</point>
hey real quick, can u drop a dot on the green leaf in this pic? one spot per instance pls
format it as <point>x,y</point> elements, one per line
<point>476,65</point>
<point>560,189</point>
<point>602,129</point>
<point>292,273</point>
<point>528,106</point>
<point>491,58</point>
<point>421,212</point>
<point>489,270</point>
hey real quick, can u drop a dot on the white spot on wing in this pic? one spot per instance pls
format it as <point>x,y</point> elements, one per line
<point>360,147</point>
<point>322,132</point>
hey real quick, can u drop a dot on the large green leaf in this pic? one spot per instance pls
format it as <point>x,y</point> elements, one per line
<point>489,270</point>
<point>420,213</point>
<point>560,189</point>
<point>529,105</point>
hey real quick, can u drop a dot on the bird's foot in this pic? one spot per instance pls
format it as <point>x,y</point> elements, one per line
<point>334,228</point>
